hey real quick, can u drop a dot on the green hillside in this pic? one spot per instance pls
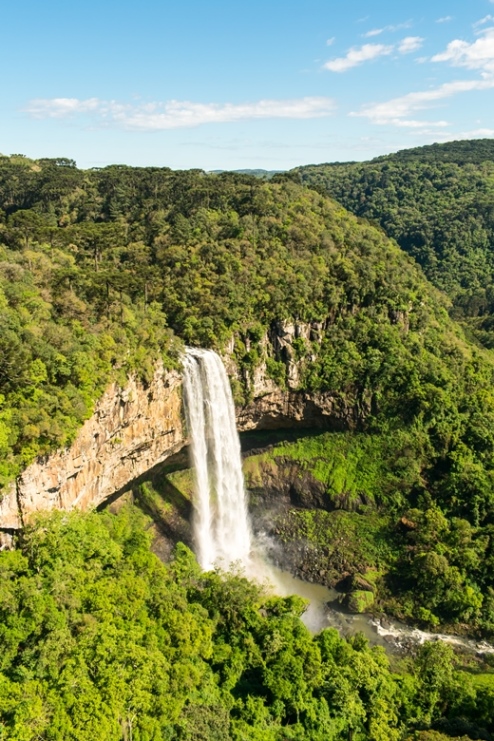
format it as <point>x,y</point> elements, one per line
<point>97,265</point>
<point>102,642</point>
<point>437,202</point>
<point>104,271</point>
<point>462,152</point>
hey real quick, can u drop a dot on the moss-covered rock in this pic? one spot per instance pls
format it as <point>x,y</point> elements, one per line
<point>359,601</point>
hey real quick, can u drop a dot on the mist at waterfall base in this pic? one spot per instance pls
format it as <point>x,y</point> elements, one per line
<point>222,531</point>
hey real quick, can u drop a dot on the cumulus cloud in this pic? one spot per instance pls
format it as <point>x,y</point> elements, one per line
<point>398,110</point>
<point>479,55</point>
<point>358,55</point>
<point>176,114</point>
<point>409,44</point>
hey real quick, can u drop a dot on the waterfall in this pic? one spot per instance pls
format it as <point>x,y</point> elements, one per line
<point>221,524</point>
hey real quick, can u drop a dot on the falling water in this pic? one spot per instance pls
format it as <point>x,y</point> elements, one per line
<point>221,523</point>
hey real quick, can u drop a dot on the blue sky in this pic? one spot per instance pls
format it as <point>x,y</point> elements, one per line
<point>235,85</point>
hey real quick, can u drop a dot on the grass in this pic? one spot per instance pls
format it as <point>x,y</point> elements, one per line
<point>372,468</point>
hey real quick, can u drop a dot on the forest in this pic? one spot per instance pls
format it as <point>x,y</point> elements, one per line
<point>437,203</point>
<point>103,272</point>
<point>102,641</point>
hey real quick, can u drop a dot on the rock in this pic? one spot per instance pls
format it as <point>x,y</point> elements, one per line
<point>359,601</point>
<point>138,427</point>
<point>354,582</point>
<point>131,430</point>
<point>361,584</point>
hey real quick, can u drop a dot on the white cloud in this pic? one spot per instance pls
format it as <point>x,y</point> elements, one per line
<point>472,134</point>
<point>373,32</point>
<point>358,55</point>
<point>176,114</point>
<point>486,19</point>
<point>476,134</point>
<point>61,107</point>
<point>445,19</point>
<point>478,55</point>
<point>330,41</point>
<point>409,44</point>
<point>392,29</point>
<point>398,110</point>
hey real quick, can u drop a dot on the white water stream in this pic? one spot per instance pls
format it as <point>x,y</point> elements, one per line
<point>222,530</point>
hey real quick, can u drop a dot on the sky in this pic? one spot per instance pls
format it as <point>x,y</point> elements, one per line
<point>230,85</point>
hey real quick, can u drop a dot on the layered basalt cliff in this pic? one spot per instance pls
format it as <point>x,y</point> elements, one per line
<point>136,428</point>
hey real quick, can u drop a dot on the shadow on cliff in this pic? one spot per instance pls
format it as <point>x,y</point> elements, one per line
<point>155,495</point>
<point>170,510</point>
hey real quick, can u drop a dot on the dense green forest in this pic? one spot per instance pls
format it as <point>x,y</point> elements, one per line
<point>101,641</point>
<point>105,271</point>
<point>102,273</point>
<point>475,151</point>
<point>96,265</point>
<point>437,202</point>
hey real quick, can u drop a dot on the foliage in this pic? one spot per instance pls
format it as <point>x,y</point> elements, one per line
<point>100,640</point>
<point>105,271</point>
<point>461,152</point>
<point>355,468</point>
<point>438,203</point>
<point>434,566</point>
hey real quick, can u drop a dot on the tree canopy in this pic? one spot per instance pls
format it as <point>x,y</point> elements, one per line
<point>100,640</point>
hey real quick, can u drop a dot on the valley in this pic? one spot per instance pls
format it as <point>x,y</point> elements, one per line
<point>358,351</point>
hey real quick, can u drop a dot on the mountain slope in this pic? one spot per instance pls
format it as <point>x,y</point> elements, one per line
<point>105,271</point>
<point>437,202</point>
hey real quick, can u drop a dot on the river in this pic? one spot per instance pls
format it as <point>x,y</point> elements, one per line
<point>324,611</point>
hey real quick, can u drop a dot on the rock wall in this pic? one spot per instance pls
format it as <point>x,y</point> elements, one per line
<point>272,408</point>
<point>131,430</point>
<point>134,429</point>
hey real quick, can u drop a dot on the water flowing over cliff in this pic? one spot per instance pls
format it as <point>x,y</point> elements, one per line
<point>221,523</point>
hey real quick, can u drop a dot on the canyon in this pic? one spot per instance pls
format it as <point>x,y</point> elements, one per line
<point>135,428</point>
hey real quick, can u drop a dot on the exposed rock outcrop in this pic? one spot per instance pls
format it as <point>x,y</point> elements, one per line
<point>294,344</point>
<point>131,430</point>
<point>278,409</point>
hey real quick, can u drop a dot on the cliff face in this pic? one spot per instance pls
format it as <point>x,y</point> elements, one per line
<point>136,428</point>
<point>131,430</point>
<point>272,408</point>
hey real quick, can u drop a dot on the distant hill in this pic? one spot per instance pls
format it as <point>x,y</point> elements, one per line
<point>257,173</point>
<point>461,152</point>
<point>437,202</point>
